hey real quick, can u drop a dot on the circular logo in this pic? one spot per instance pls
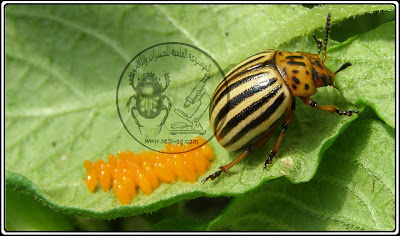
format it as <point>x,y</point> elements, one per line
<point>163,95</point>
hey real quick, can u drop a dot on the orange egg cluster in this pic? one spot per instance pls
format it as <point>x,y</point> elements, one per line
<point>129,170</point>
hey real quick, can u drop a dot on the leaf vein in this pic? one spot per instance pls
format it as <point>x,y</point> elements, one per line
<point>313,212</point>
<point>45,69</point>
<point>179,27</point>
<point>108,42</point>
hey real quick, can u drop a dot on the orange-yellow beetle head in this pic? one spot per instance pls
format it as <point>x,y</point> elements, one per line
<point>322,76</point>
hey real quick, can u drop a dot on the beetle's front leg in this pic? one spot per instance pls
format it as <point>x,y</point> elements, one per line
<point>129,101</point>
<point>286,122</point>
<point>332,109</point>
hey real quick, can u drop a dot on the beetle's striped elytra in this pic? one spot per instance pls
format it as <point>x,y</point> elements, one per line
<point>257,98</point>
<point>258,95</point>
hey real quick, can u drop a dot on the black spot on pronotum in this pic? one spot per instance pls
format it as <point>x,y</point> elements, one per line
<point>317,64</point>
<point>306,86</point>
<point>314,74</point>
<point>296,80</point>
<point>298,63</point>
<point>324,79</point>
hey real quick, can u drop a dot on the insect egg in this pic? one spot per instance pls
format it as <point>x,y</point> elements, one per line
<point>129,170</point>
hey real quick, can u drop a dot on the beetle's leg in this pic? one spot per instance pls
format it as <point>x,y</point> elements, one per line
<point>226,167</point>
<point>135,119</point>
<point>167,108</point>
<point>164,107</point>
<point>286,122</point>
<point>167,81</point>
<point>332,109</point>
<point>129,101</point>
<point>164,119</point>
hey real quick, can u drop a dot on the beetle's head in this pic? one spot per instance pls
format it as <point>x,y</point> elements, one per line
<point>322,76</point>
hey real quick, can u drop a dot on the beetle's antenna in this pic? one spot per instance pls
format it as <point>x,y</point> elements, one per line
<point>327,29</point>
<point>344,66</point>
<point>319,42</point>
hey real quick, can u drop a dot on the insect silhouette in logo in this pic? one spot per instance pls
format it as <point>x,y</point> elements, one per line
<point>149,98</point>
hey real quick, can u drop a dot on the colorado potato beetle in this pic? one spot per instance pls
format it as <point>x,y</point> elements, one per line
<point>258,95</point>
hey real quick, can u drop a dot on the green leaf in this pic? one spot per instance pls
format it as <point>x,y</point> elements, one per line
<point>372,73</point>
<point>23,213</point>
<point>63,63</point>
<point>354,189</point>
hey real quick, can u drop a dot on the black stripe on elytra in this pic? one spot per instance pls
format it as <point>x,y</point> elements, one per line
<point>244,65</point>
<point>262,64</point>
<point>231,104</point>
<point>294,57</point>
<point>256,122</point>
<point>234,85</point>
<point>299,63</point>
<point>270,62</point>
<point>270,129</point>
<point>225,80</point>
<point>248,111</point>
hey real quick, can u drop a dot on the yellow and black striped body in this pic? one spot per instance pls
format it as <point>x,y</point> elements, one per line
<point>258,95</point>
<point>249,102</point>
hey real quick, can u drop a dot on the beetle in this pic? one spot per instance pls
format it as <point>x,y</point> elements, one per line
<point>258,95</point>
<point>149,98</point>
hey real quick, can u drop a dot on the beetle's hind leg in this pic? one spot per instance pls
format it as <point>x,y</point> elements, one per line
<point>286,122</point>
<point>166,108</point>
<point>226,167</point>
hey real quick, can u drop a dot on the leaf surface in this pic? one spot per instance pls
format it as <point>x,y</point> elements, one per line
<point>63,63</point>
<point>352,190</point>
